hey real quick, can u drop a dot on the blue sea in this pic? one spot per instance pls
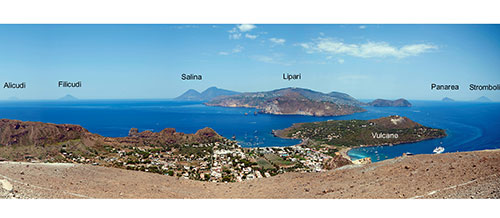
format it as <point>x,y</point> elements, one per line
<point>470,126</point>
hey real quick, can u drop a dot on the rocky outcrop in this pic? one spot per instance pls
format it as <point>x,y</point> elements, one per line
<point>389,103</point>
<point>365,160</point>
<point>335,162</point>
<point>15,132</point>
<point>293,101</point>
<point>134,132</point>
<point>43,141</point>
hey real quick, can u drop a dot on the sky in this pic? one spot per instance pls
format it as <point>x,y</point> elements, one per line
<point>146,61</point>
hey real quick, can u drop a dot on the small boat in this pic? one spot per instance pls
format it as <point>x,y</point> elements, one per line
<point>438,150</point>
<point>406,153</point>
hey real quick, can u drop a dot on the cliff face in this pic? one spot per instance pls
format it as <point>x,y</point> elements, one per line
<point>15,132</point>
<point>389,103</point>
<point>293,101</point>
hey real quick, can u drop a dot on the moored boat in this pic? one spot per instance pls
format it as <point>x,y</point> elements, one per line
<point>438,150</point>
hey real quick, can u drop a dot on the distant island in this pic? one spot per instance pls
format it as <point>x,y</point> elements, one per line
<point>483,99</point>
<point>383,131</point>
<point>207,95</point>
<point>296,101</point>
<point>446,99</point>
<point>389,103</point>
<point>68,98</point>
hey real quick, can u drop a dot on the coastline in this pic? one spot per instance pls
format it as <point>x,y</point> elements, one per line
<point>344,153</point>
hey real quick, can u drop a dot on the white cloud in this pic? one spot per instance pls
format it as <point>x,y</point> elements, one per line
<point>341,61</point>
<point>272,59</point>
<point>265,59</point>
<point>251,36</point>
<point>237,32</point>
<point>277,41</point>
<point>365,50</point>
<point>362,27</point>
<point>246,27</point>
<point>234,34</point>
<point>235,50</point>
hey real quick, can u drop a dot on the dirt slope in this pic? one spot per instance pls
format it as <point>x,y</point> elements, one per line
<point>449,175</point>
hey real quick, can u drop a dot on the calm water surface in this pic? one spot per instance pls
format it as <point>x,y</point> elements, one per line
<point>470,126</point>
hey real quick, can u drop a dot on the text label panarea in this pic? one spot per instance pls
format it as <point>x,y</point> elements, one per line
<point>444,87</point>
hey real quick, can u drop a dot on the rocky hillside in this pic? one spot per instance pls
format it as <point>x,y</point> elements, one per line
<point>390,103</point>
<point>15,132</point>
<point>293,101</point>
<point>166,136</point>
<point>46,142</point>
<point>449,175</point>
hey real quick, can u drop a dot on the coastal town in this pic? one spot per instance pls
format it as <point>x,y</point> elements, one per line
<point>223,161</point>
<point>206,155</point>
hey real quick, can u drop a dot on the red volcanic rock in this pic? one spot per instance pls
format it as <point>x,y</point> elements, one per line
<point>207,133</point>
<point>134,132</point>
<point>15,132</point>
<point>168,131</point>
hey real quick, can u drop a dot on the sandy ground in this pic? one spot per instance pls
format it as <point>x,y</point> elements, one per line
<point>449,175</point>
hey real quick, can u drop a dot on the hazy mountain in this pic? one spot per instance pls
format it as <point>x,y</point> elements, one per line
<point>207,95</point>
<point>447,99</point>
<point>68,98</point>
<point>190,95</point>
<point>293,101</point>
<point>214,92</point>
<point>483,99</point>
<point>390,103</point>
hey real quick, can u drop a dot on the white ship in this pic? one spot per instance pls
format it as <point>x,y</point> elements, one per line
<point>438,150</point>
